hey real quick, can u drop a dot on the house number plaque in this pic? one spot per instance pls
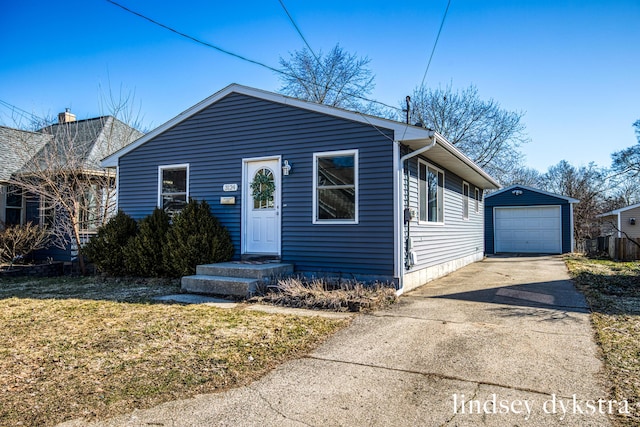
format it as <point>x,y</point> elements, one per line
<point>230,187</point>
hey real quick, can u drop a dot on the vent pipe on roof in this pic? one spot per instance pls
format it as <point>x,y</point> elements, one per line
<point>66,117</point>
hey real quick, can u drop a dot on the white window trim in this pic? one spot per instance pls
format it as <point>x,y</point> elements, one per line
<point>314,206</point>
<point>23,204</point>
<point>468,200</point>
<point>477,199</point>
<point>174,166</point>
<point>444,180</point>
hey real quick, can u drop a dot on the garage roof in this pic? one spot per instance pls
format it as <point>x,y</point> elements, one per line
<point>524,187</point>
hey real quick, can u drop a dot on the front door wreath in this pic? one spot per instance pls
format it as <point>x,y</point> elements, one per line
<point>263,185</point>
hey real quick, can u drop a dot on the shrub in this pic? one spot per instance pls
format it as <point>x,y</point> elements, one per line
<point>196,237</point>
<point>18,241</point>
<point>143,253</point>
<point>106,249</point>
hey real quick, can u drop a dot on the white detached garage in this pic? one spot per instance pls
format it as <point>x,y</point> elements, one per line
<point>521,219</point>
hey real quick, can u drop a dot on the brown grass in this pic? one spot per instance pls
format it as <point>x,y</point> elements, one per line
<point>68,350</point>
<point>327,295</point>
<point>613,292</point>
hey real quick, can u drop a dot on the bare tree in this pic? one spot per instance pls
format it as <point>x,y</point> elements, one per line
<point>627,161</point>
<point>482,130</point>
<point>339,79</point>
<point>74,195</point>
<point>522,175</point>
<point>587,184</point>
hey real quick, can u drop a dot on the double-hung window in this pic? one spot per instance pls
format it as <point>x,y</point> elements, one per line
<point>431,192</point>
<point>14,205</point>
<point>335,188</point>
<point>465,200</point>
<point>91,203</point>
<point>173,187</point>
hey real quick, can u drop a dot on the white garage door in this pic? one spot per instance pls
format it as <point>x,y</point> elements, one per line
<point>531,229</point>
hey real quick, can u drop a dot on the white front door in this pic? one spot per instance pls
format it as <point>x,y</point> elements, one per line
<point>261,207</point>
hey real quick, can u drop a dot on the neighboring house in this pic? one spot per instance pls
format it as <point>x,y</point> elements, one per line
<point>12,203</point>
<point>521,219</point>
<point>623,222</point>
<point>69,150</point>
<point>353,195</point>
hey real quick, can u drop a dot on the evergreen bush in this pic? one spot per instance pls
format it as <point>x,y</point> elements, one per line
<point>106,249</point>
<point>196,237</point>
<point>143,253</point>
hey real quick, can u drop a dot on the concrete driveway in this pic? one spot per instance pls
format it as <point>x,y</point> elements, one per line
<point>506,341</point>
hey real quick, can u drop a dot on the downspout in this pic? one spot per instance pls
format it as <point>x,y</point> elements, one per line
<point>573,231</point>
<point>404,193</point>
<point>418,151</point>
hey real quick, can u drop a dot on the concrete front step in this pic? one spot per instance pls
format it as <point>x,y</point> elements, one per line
<point>239,279</point>
<point>219,285</point>
<point>248,270</point>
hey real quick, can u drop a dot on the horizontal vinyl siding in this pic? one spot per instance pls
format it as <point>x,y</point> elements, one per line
<point>436,244</point>
<point>214,142</point>
<point>632,230</point>
<point>527,198</point>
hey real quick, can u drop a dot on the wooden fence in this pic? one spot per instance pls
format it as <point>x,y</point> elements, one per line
<point>622,249</point>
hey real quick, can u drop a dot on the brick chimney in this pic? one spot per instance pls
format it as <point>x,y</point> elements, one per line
<point>66,117</point>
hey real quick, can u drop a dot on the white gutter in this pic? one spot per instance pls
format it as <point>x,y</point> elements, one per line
<point>420,150</point>
<point>399,215</point>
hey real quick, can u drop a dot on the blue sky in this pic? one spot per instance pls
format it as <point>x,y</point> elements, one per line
<point>572,66</point>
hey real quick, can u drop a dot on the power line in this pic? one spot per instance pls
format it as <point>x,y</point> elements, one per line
<point>235,55</point>
<point>202,42</point>
<point>435,43</point>
<point>300,32</point>
<point>23,113</point>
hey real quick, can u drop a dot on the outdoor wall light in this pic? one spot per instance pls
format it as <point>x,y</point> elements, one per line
<point>516,192</point>
<point>286,168</point>
<point>632,221</point>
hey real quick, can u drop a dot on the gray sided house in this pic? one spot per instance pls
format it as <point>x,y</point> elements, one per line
<point>352,195</point>
<point>520,219</point>
<point>12,203</point>
<point>71,150</point>
<point>623,222</point>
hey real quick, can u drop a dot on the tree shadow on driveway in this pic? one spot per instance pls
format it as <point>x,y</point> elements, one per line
<point>528,299</point>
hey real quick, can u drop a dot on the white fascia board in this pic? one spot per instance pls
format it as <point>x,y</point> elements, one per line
<point>618,211</point>
<point>411,132</point>
<point>535,190</point>
<point>406,134</point>
<point>441,140</point>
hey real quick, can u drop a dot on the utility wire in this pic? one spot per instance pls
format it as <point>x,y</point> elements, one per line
<point>235,55</point>
<point>300,33</point>
<point>435,43</point>
<point>23,113</point>
<point>431,56</point>
<point>202,42</point>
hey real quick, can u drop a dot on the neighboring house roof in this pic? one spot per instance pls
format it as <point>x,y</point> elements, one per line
<point>415,137</point>
<point>512,187</point>
<point>79,145</point>
<point>618,211</point>
<point>12,159</point>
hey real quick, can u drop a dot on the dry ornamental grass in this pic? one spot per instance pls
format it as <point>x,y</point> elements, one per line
<point>329,295</point>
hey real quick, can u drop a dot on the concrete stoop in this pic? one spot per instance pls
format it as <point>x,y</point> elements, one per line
<point>240,279</point>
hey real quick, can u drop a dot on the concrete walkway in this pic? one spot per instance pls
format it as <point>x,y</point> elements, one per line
<point>503,342</point>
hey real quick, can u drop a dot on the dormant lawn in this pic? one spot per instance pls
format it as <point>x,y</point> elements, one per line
<point>91,348</point>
